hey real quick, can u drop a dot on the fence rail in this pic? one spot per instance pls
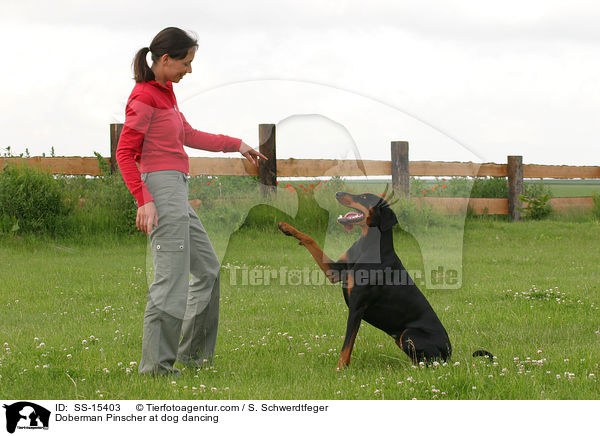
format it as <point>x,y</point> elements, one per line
<point>224,166</point>
<point>398,167</point>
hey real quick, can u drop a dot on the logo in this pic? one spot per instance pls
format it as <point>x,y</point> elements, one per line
<point>25,415</point>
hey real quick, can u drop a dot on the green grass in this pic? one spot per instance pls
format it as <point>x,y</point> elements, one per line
<point>283,342</point>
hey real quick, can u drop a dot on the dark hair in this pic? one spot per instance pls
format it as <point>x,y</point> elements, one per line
<point>172,41</point>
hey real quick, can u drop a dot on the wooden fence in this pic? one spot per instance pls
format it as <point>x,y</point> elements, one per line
<point>398,167</point>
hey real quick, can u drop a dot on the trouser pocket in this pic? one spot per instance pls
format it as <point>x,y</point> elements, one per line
<point>167,254</point>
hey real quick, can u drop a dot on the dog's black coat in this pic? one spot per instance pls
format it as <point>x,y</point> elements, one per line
<point>377,287</point>
<point>389,300</point>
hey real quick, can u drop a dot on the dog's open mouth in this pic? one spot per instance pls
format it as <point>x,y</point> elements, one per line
<point>350,219</point>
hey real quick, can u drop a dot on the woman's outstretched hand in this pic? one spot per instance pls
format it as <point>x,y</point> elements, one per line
<point>251,154</point>
<point>147,217</point>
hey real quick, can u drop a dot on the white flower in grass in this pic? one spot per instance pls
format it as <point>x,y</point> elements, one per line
<point>69,356</point>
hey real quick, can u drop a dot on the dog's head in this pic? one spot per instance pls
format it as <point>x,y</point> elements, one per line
<point>370,210</point>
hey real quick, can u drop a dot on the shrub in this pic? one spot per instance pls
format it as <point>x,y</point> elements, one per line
<point>490,187</point>
<point>462,187</point>
<point>536,190</point>
<point>537,207</point>
<point>210,188</point>
<point>596,208</point>
<point>30,201</point>
<point>103,205</point>
<point>536,195</point>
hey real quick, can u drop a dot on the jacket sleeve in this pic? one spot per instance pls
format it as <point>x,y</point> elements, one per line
<point>208,141</point>
<point>138,115</point>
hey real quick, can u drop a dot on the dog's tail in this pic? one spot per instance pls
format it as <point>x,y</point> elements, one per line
<point>483,353</point>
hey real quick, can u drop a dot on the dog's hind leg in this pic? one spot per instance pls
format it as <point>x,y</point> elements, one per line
<point>420,348</point>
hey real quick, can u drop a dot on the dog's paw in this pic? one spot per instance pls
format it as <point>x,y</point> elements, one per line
<point>341,365</point>
<point>286,229</point>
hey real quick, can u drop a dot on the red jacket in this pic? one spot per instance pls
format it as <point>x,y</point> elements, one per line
<point>154,134</point>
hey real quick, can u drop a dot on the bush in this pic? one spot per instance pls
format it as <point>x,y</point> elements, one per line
<point>536,195</point>
<point>537,190</point>
<point>30,201</point>
<point>210,188</point>
<point>537,207</point>
<point>596,208</point>
<point>462,187</point>
<point>490,187</point>
<point>103,205</point>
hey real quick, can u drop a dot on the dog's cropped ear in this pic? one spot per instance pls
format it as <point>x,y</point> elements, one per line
<point>383,217</point>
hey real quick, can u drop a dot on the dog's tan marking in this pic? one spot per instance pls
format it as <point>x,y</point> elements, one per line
<point>321,258</point>
<point>346,353</point>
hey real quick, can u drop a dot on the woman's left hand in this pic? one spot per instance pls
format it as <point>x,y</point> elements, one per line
<point>251,154</point>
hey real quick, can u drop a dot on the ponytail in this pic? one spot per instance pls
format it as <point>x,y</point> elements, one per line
<point>141,70</point>
<point>171,41</point>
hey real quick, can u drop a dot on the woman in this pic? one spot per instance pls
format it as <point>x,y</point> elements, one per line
<point>153,136</point>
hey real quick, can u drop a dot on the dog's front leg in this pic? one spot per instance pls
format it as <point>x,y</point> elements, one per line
<point>352,326</point>
<point>324,262</point>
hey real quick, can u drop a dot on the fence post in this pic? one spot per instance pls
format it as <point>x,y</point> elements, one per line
<point>400,168</point>
<point>515,186</point>
<point>267,169</point>
<point>115,133</point>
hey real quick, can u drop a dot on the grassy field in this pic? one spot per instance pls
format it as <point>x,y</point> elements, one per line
<point>72,313</point>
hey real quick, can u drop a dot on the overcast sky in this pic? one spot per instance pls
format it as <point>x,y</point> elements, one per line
<point>459,80</point>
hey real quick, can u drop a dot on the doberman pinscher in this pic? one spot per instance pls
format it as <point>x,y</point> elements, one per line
<point>376,286</point>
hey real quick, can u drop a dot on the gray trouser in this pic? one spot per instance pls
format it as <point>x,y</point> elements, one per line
<point>182,314</point>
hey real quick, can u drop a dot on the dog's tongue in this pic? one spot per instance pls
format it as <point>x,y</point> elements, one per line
<point>344,220</point>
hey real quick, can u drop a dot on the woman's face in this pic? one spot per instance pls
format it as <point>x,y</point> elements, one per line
<point>175,69</point>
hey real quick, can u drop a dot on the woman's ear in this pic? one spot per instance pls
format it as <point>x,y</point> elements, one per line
<point>164,59</point>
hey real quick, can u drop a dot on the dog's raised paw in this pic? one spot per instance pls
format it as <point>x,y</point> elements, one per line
<point>285,228</point>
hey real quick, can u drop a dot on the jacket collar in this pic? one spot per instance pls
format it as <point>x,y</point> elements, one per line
<point>169,85</point>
